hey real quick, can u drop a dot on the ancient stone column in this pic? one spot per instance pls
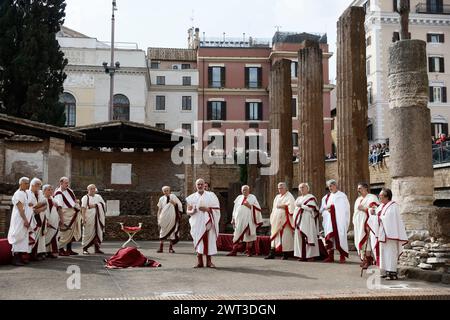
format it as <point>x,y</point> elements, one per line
<point>281,119</point>
<point>411,165</point>
<point>352,143</point>
<point>310,93</point>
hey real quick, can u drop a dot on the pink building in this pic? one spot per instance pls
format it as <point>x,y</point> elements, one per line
<point>234,79</point>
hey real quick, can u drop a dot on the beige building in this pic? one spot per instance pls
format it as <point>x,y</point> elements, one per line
<point>86,88</point>
<point>429,21</point>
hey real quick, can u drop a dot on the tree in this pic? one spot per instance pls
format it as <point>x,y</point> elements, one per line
<point>31,61</point>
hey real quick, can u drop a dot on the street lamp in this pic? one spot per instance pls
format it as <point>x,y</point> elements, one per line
<point>111,69</point>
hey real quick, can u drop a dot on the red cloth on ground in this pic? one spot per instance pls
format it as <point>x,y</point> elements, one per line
<point>5,252</point>
<point>131,229</point>
<point>129,257</point>
<point>261,245</point>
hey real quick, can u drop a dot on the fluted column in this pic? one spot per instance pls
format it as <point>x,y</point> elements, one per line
<point>281,119</point>
<point>352,143</point>
<point>310,93</point>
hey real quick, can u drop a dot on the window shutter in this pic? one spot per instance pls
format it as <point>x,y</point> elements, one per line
<point>428,37</point>
<point>441,65</point>
<point>210,77</point>
<point>247,71</point>
<point>247,111</point>
<point>440,6</point>
<point>444,94</point>
<point>222,76</point>
<point>259,77</point>
<point>260,111</point>
<point>223,111</point>
<point>431,95</point>
<point>395,6</point>
<point>431,64</point>
<point>428,5</point>
<point>445,128</point>
<point>294,107</point>
<point>209,111</point>
<point>442,38</point>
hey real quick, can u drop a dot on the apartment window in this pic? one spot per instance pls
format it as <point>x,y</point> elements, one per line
<point>160,126</point>
<point>294,69</point>
<point>186,103</point>
<point>294,107</point>
<point>186,126</point>
<point>155,65</point>
<point>253,111</point>
<point>435,6</point>
<point>370,132</point>
<point>69,109</point>
<point>295,139</point>
<point>436,64</point>
<point>439,128</point>
<point>217,110</point>
<point>438,94</point>
<point>160,80</point>
<point>253,77</point>
<point>369,95</point>
<point>435,38</point>
<point>185,66</point>
<point>186,81</point>
<point>160,103</point>
<point>368,67</point>
<point>121,107</point>
<point>254,142</point>
<point>216,77</point>
<point>368,41</point>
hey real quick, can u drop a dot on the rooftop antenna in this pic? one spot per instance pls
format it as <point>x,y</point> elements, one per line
<point>278,28</point>
<point>192,19</point>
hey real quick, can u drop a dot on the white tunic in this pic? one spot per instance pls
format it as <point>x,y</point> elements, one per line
<point>204,223</point>
<point>39,231</point>
<point>246,220</point>
<point>389,234</point>
<point>51,214</point>
<point>94,226</point>
<point>282,223</point>
<point>169,218</point>
<point>18,234</point>
<point>71,215</point>
<point>306,240</point>
<point>336,214</point>
<point>360,218</point>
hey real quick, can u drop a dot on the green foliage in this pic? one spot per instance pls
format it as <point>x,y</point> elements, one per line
<point>31,62</point>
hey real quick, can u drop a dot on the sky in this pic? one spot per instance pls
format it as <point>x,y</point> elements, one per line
<point>151,23</point>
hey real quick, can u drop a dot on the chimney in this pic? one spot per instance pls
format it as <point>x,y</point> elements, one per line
<point>197,38</point>
<point>190,38</point>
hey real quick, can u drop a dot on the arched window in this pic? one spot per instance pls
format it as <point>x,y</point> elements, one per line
<point>70,105</point>
<point>121,107</point>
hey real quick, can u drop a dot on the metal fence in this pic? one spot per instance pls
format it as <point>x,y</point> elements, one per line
<point>441,153</point>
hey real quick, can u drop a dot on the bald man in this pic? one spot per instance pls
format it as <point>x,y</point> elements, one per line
<point>169,216</point>
<point>204,209</point>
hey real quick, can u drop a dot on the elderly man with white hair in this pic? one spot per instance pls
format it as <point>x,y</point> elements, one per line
<point>282,223</point>
<point>246,219</point>
<point>93,219</point>
<point>70,211</point>
<point>169,216</point>
<point>20,224</point>
<point>335,211</point>
<point>38,251</point>
<point>53,222</point>
<point>306,239</point>
<point>204,208</point>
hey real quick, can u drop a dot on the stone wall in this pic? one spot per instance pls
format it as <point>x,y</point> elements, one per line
<point>149,170</point>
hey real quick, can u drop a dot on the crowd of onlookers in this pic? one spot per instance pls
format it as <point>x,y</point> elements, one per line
<point>441,148</point>
<point>377,153</point>
<point>440,140</point>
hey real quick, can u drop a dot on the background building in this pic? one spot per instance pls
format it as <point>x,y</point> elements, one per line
<point>429,21</point>
<point>86,89</point>
<point>173,98</point>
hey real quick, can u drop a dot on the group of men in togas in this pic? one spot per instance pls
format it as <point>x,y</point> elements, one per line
<point>45,222</point>
<point>379,230</point>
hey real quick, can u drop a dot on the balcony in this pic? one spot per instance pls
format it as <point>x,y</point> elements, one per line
<point>432,9</point>
<point>441,153</point>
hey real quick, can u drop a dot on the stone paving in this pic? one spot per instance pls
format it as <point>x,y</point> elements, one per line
<point>235,278</point>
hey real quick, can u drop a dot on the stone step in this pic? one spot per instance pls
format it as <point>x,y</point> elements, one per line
<point>437,260</point>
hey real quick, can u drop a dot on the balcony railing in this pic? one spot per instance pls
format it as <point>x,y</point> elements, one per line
<point>424,8</point>
<point>441,153</point>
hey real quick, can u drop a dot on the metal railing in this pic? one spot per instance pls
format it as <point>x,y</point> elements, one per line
<point>424,8</point>
<point>441,153</point>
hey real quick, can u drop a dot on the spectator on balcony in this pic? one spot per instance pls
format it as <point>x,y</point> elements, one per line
<point>442,139</point>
